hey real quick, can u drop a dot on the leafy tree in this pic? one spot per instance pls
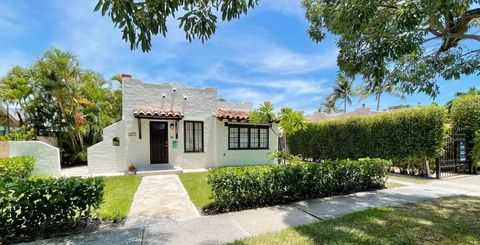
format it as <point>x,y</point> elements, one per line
<point>342,90</point>
<point>57,97</point>
<point>418,40</point>
<point>140,20</point>
<point>289,120</point>
<point>380,87</point>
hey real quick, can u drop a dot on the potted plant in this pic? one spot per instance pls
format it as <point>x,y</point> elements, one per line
<point>132,169</point>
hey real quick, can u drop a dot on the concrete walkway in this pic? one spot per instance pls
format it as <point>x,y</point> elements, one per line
<point>228,227</point>
<point>159,199</point>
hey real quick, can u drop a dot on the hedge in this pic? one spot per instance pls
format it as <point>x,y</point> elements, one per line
<point>29,207</point>
<point>408,133</point>
<point>252,186</point>
<point>20,167</point>
<point>465,114</point>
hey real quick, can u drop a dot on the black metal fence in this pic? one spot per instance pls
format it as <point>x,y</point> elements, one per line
<point>455,159</point>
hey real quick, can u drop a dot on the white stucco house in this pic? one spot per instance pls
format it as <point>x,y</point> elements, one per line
<point>169,124</point>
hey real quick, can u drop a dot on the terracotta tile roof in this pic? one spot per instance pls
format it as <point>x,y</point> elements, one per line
<point>157,114</point>
<point>232,115</point>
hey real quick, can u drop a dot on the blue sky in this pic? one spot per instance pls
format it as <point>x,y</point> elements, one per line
<point>265,55</point>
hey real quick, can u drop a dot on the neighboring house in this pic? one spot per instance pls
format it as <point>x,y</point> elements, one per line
<point>14,120</point>
<point>174,125</point>
<point>362,111</point>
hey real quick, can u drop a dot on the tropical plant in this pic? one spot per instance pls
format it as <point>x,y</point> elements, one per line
<point>420,41</point>
<point>140,20</point>
<point>57,97</point>
<point>380,87</point>
<point>328,106</point>
<point>289,120</point>
<point>343,90</point>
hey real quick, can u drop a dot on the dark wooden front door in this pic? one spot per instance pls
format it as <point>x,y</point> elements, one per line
<point>158,142</point>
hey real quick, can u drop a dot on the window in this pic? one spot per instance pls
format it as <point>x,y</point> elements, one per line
<point>247,137</point>
<point>193,136</point>
<point>116,141</point>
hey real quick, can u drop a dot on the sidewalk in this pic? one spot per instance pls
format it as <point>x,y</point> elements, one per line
<point>228,227</point>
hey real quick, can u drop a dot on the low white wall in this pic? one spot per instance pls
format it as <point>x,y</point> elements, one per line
<point>103,157</point>
<point>47,157</point>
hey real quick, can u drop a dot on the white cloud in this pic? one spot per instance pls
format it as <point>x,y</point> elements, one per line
<point>285,7</point>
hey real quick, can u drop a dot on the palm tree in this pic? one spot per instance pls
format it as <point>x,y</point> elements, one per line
<point>380,87</point>
<point>343,89</point>
<point>329,105</point>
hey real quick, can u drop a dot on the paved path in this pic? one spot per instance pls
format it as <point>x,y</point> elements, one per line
<point>228,227</point>
<point>159,199</point>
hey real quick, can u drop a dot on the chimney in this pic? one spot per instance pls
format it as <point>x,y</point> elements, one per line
<point>363,105</point>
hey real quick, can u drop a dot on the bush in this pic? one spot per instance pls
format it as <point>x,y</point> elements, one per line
<point>20,135</point>
<point>408,133</point>
<point>29,207</point>
<point>465,114</point>
<point>476,150</point>
<point>20,167</point>
<point>250,186</point>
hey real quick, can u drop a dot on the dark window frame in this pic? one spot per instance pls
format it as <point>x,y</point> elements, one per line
<point>193,131</point>
<point>250,127</point>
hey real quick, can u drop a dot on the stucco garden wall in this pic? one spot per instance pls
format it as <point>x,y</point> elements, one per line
<point>47,157</point>
<point>104,157</point>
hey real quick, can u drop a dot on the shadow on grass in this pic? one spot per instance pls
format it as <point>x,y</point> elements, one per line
<point>452,220</point>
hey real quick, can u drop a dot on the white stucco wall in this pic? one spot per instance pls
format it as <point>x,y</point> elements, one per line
<point>103,157</point>
<point>200,105</point>
<point>47,157</point>
<point>226,157</point>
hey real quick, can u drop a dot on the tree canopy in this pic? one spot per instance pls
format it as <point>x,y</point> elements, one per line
<point>140,20</point>
<point>57,97</point>
<point>412,43</point>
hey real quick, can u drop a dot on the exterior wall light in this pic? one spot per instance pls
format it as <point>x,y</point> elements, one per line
<point>172,125</point>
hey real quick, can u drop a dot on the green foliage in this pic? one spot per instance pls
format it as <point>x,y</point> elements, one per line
<point>416,132</point>
<point>29,207</point>
<point>342,90</point>
<point>284,157</point>
<point>288,119</point>
<point>22,134</point>
<point>465,114</point>
<point>140,20</point>
<point>16,167</point>
<point>251,186</point>
<point>411,42</point>
<point>198,189</point>
<point>476,150</point>
<point>57,97</point>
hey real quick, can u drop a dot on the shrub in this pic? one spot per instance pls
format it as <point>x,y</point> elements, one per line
<point>465,114</point>
<point>251,186</point>
<point>22,134</point>
<point>408,133</point>
<point>20,167</point>
<point>476,150</point>
<point>29,207</point>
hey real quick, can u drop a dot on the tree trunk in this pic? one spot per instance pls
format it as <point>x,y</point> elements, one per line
<point>345,105</point>
<point>427,168</point>
<point>378,101</point>
<point>8,118</point>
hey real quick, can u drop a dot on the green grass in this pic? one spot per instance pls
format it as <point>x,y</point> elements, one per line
<point>454,220</point>
<point>118,197</point>
<point>390,185</point>
<point>197,188</point>
<point>408,179</point>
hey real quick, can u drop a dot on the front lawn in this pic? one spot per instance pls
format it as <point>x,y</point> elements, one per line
<point>453,220</point>
<point>198,189</point>
<point>408,179</point>
<point>118,197</point>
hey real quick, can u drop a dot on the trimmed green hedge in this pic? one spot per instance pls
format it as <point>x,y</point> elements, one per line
<point>29,207</point>
<point>465,114</point>
<point>20,167</point>
<point>251,186</point>
<point>408,133</point>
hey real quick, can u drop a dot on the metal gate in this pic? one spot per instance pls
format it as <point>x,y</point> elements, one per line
<point>454,159</point>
